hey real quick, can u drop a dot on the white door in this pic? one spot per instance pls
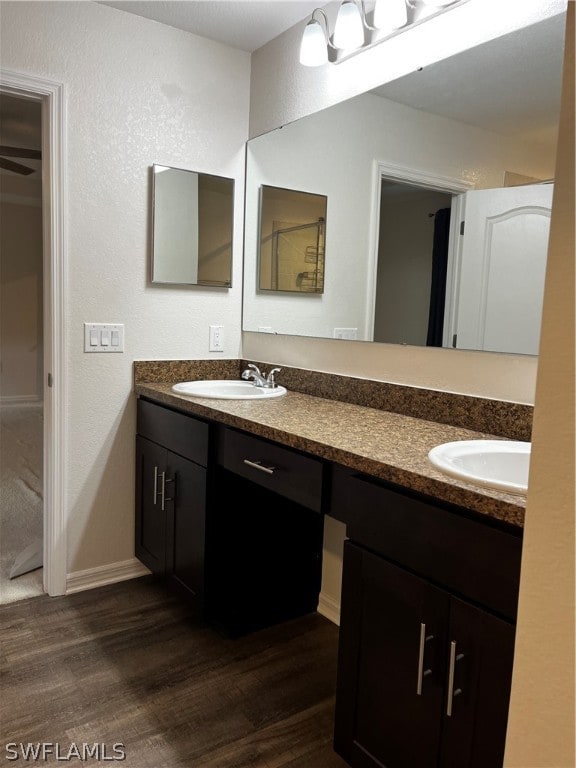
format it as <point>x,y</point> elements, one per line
<point>500,269</point>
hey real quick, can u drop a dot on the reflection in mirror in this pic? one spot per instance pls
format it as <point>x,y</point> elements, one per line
<point>292,237</point>
<point>439,196</point>
<point>476,286</point>
<point>192,227</point>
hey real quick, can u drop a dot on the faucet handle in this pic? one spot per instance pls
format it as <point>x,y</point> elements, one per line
<point>251,367</point>
<point>270,378</point>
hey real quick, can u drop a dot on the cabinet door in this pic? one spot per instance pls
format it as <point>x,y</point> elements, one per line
<point>186,500</point>
<point>481,650</point>
<point>391,667</point>
<point>151,520</point>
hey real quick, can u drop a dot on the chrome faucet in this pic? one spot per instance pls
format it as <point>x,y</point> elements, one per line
<point>260,379</point>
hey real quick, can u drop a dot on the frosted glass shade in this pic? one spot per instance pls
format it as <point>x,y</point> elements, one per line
<point>349,30</point>
<point>390,14</point>
<point>313,48</point>
<point>436,3</point>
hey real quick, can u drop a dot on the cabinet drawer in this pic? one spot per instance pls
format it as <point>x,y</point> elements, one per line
<point>182,434</point>
<point>471,558</point>
<point>283,470</point>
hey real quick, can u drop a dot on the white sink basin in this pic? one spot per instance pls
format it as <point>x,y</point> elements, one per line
<point>227,389</point>
<point>498,464</point>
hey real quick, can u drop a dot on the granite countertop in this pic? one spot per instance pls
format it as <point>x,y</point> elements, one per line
<point>388,445</point>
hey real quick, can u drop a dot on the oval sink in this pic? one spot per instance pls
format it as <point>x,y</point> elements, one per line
<point>227,389</point>
<point>499,464</point>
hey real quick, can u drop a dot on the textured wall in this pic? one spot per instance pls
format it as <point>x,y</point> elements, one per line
<point>137,92</point>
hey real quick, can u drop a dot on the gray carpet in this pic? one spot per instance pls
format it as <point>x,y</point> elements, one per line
<point>21,431</point>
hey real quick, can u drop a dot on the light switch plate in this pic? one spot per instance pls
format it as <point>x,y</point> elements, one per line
<point>95,333</point>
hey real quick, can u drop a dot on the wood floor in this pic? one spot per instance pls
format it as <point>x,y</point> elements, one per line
<point>126,663</point>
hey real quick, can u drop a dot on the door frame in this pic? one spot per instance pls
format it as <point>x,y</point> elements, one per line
<point>51,94</point>
<point>419,178</point>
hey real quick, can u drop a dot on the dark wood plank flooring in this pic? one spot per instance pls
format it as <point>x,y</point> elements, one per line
<point>127,663</point>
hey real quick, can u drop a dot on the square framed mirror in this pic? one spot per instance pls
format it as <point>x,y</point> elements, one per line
<point>292,240</point>
<point>192,225</point>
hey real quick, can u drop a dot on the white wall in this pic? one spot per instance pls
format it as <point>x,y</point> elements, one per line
<point>137,93</point>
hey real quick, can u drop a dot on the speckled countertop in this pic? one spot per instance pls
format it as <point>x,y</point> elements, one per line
<point>390,446</point>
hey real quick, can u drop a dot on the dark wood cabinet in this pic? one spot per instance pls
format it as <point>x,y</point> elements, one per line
<point>391,670</point>
<point>151,521</point>
<point>482,646</point>
<point>430,590</point>
<point>424,674</point>
<point>171,498</point>
<point>242,538</point>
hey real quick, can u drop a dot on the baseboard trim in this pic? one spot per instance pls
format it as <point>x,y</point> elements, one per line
<point>20,400</point>
<point>329,608</point>
<point>78,581</point>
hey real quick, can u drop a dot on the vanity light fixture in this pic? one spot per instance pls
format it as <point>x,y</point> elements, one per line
<point>357,30</point>
<point>349,27</point>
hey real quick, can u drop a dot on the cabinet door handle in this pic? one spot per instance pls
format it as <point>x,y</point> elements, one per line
<point>162,490</point>
<point>171,480</point>
<point>155,485</point>
<point>262,467</point>
<point>451,670</point>
<point>422,673</point>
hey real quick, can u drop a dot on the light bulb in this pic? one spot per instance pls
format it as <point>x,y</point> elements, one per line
<point>313,48</point>
<point>349,30</point>
<point>390,14</point>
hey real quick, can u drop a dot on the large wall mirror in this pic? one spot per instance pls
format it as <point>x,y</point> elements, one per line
<point>439,188</point>
<point>192,217</point>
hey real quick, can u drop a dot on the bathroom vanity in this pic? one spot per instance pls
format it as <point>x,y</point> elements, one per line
<point>231,498</point>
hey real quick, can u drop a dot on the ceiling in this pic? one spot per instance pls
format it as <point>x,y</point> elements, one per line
<point>237,23</point>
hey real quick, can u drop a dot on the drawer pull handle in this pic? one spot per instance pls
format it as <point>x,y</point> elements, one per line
<point>260,466</point>
<point>451,692</point>
<point>422,673</point>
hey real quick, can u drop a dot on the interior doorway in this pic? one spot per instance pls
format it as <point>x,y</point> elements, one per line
<point>48,95</point>
<point>21,349</point>
<point>412,264</point>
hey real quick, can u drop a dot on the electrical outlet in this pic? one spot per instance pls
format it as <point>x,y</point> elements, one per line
<point>216,338</point>
<point>346,333</point>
